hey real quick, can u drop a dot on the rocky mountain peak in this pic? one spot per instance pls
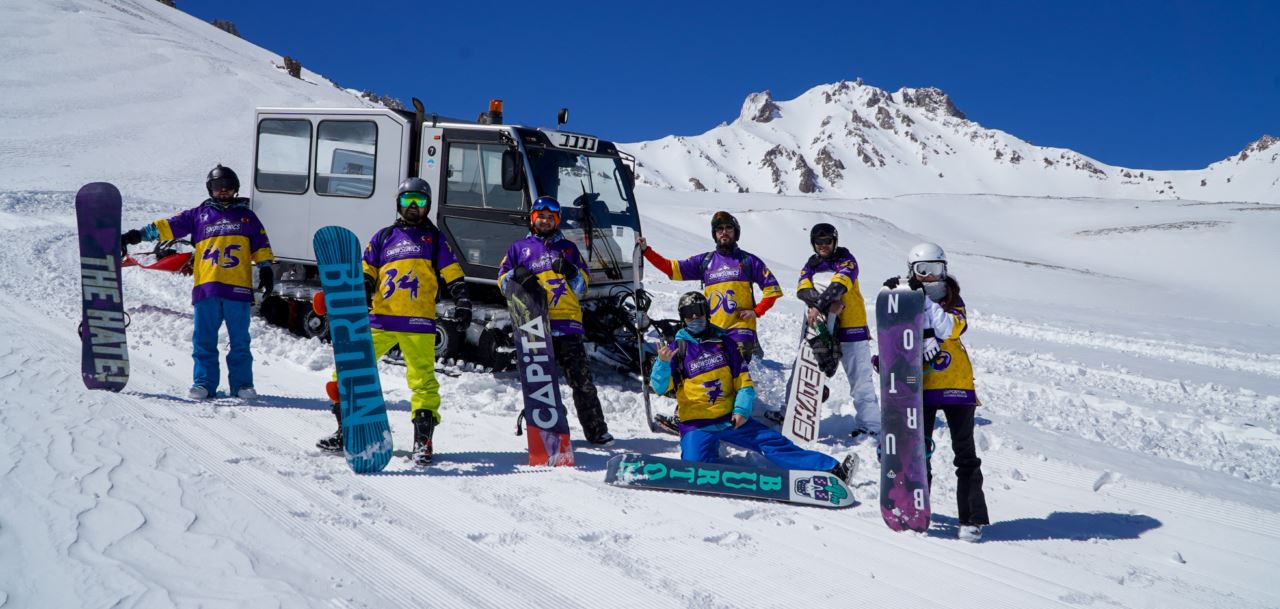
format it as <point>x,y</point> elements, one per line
<point>760,107</point>
<point>930,99</point>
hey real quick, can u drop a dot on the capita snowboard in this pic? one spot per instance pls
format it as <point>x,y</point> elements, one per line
<point>104,353</point>
<point>366,433</point>
<point>807,384</point>
<point>804,487</point>
<point>544,411</point>
<point>904,479</point>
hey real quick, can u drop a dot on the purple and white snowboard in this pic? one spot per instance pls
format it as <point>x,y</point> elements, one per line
<point>104,354</point>
<point>904,478</point>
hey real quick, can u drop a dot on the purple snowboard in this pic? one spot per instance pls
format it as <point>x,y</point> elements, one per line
<point>104,356</point>
<point>904,478</point>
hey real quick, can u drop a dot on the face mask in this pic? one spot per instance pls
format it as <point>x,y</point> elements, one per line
<point>696,326</point>
<point>935,290</point>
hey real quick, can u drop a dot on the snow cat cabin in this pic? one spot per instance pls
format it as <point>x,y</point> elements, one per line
<point>320,167</point>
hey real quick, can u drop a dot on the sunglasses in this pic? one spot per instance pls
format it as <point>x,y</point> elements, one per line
<point>824,241</point>
<point>412,199</point>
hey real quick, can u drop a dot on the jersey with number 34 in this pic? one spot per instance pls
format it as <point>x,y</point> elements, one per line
<point>404,262</point>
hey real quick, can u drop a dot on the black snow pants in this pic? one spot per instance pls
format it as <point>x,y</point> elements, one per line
<point>970,500</point>
<point>571,356</point>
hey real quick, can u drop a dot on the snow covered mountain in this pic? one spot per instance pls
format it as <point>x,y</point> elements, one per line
<point>1127,364</point>
<point>851,139</point>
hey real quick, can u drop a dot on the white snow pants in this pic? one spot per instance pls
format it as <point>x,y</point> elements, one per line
<point>855,358</point>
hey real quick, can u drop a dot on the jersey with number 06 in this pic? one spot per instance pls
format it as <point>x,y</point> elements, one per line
<point>404,261</point>
<point>229,241</point>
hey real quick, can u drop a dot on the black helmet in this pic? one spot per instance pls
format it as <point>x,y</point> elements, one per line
<point>822,229</point>
<point>693,303</point>
<point>222,177</point>
<point>724,218</point>
<point>414,185</point>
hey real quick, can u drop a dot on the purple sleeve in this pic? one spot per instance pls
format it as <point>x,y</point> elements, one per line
<point>183,224</point>
<point>760,274</point>
<point>691,268</point>
<point>372,256</point>
<point>806,272</point>
<point>258,236</point>
<point>849,268</point>
<point>444,253</point>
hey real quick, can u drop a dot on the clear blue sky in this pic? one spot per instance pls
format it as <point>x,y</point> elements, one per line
<point>1146,84</point>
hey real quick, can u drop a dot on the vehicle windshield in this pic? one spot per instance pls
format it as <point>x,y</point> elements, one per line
<point>593,197</point>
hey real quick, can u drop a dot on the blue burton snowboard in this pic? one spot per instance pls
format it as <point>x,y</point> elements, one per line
<point>104,355</point>
<point>365,430</point>
<point>803,487</point>
<point>544,411</point>
<point>904,478</point>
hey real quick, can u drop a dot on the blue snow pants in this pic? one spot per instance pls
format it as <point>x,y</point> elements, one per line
<point>703,445</point>
<point>210,314</point>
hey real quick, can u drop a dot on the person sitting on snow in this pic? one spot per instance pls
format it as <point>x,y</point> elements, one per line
<point>714,396</point>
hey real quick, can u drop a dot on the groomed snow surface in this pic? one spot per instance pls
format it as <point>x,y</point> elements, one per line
<point>1130,389</point>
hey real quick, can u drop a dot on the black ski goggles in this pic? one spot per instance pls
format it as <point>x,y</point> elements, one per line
<point>224,184</point>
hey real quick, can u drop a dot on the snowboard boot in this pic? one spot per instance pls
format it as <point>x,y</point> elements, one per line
<point>971,533</point>
<point>846,469</point>
<point>600,438</point>
<point>333,443</point>
<point>668,423</point>
<point>198,393</point>
<point>424,426</point>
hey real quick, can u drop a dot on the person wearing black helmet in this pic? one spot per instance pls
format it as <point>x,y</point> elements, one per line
<point>229,242</point>
<point>551,265</point>
<point>405,266</point>
<point>704,369</point>
<point>727,274</point>
<point>836,267</point>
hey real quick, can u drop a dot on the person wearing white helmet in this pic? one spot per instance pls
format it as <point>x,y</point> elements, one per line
<point>948,378</point>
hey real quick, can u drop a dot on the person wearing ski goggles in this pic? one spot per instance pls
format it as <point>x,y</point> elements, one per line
<point>948,379</point>
<point>546,265</point>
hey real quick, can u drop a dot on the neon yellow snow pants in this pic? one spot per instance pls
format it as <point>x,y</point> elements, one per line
<point>419,351</point>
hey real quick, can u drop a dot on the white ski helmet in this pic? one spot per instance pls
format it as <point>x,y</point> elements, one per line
<point>927,253</point>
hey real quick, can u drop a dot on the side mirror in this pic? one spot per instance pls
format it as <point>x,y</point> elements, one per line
<point>512,170</point>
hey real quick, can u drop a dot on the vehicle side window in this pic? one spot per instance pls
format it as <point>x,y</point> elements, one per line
<point>483,243</point>
<point>475,178</point>
<point>464,185</point>
<point>284,151</point>
<point>495,196</point>
<point>346,156</point>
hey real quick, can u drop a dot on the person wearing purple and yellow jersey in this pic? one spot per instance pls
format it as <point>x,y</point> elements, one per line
<point>836,267</point>
<point>948,379</point>
<point>405,267</point>
<point>545,262</point>
<point>705,370</point>
<point>229,242</point>
<point>727,274</point>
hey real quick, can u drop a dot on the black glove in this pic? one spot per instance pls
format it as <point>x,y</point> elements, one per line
<point>914,283</point>
<point>520,274</point>
<point>565,268</point>
<point>891,283</point>
<point>266,279</point>
<point>370,285</point>
<point>132,237</point>
<point>808,296</point>
<point>462,312</point>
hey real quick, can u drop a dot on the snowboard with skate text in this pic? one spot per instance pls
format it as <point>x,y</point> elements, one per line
<point>104,354</point>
